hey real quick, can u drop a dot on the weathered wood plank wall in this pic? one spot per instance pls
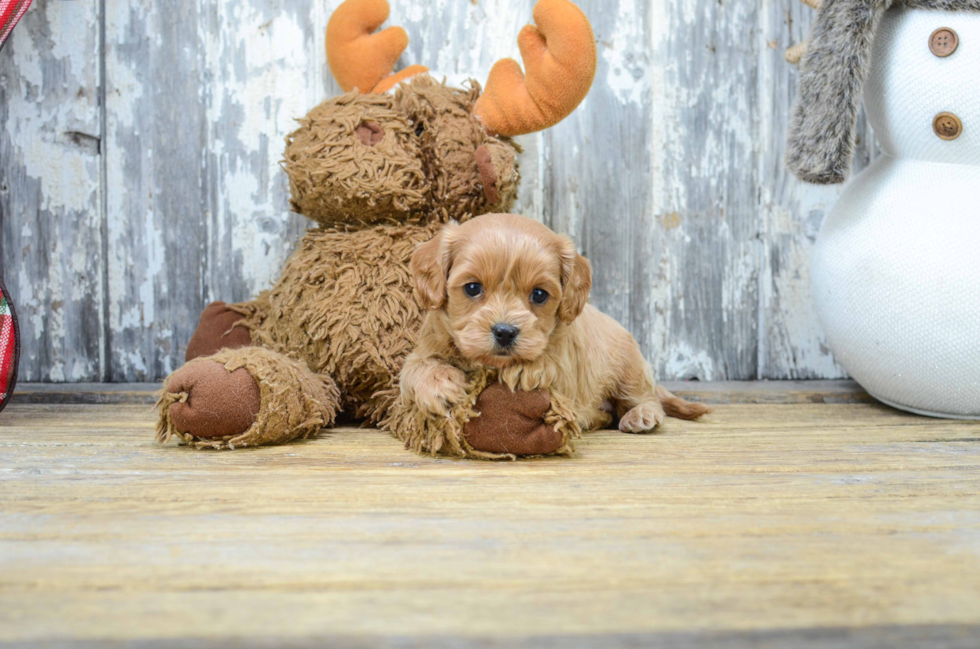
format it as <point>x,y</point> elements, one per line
<point>140,140</point>
<point>50,198</point>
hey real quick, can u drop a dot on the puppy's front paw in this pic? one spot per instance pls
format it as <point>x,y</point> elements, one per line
<point>443,387</point>
<point>642,418</point>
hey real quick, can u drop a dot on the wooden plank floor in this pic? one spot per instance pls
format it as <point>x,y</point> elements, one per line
<point>807,524</point>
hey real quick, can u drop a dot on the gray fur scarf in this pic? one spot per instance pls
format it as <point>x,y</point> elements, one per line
<point>832,74</point>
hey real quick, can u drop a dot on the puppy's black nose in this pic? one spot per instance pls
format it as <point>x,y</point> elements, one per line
<point>505,334</point>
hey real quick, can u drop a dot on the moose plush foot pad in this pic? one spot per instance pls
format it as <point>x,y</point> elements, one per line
<point>224,405</point>
<point>492,423</point>
<point>513,422</point>
<point>244,397</point>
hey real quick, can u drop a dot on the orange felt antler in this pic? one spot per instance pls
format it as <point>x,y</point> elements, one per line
<point>560,56</point>
<point>360,58</point>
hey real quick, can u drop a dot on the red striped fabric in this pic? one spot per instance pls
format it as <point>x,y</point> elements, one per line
<point>8,347</point>
<point>10,13</point>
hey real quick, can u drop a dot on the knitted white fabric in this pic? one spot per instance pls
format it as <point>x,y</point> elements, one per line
<point>896,271</point>
<point>908,86</point>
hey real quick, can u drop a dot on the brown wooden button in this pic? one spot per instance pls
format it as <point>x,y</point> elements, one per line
<point>947,126</point>
<point>943,42</point>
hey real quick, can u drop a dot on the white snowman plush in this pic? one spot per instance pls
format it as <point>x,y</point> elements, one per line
<point>896,269</point>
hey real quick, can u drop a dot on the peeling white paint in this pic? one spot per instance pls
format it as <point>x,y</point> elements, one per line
<point>65,172</point>
<point>530,193</point>
<point>712,96</point>
<point>126,93</point>
<point>626,56</point>
<point>683,362</point>
<point>790,341</point>
<point>280,84</point>
<point>49,148</point>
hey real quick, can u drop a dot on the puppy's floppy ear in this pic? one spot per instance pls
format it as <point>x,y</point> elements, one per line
<point>430,267</point>
<point>576,281</point>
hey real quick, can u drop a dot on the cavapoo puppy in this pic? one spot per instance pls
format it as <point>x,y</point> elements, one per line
<point>504,291</point>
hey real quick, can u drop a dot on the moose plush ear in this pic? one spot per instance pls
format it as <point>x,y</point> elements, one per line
<point>430,266</point>
<point>576,281</point>
<point>560,56</point>
<point>833,69</point>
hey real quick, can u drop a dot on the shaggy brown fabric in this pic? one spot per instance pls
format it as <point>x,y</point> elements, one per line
<point>219,403</point>
<point>447,436</point>
<point>215,331</point>
<point>335,178</point>
<point>512,422</point>
<point>449,137</point>
<point>362,159</point>
<point>295,402</point>
<point>344,305</point>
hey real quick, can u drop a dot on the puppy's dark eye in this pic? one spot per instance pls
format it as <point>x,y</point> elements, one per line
<point>473,289</point>
<point>539,296</point>
<point>419,129</point>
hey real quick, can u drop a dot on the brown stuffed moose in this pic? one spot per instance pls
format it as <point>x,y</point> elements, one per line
<point>379,170</point>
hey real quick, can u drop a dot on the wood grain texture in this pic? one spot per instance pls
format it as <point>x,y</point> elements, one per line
<point>718,392</point>
<point>599,167</point>
<point>669,176</point>
<point>760,518</point>
<point>156,136</point>
<point>200,98</point>
<point>50,217</point>
<point>791,343</point>
<point>707,219</point>
<point>948,636</point>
